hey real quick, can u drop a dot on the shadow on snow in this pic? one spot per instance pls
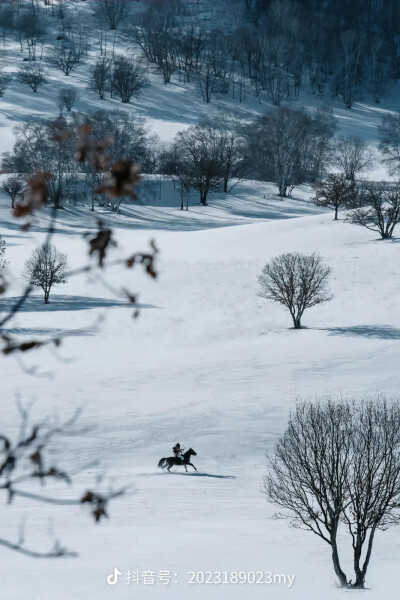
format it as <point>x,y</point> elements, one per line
<point>382,332</point>
<point>65,303</point>
<point>202,475</point>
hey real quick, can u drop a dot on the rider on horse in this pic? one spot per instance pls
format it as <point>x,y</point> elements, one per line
<point>177,450</point>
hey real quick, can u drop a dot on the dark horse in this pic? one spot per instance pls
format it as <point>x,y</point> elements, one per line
<point>174,460</point>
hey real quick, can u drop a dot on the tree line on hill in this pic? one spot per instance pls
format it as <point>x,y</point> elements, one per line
<point>287,146</point>
<point>277,49</point>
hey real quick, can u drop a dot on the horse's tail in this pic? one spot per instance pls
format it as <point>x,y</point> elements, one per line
<point>162,463</point>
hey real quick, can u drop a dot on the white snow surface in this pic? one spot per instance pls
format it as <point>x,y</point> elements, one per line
<point>208,363</point>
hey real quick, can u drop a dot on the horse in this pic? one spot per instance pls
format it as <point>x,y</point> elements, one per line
<point>174,460</point>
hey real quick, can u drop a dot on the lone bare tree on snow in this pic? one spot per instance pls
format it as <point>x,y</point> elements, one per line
<point>297,281</point>
<point>45,268</point>
<point>338,465</point>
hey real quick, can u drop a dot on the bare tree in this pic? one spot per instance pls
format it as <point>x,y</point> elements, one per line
<point>319,54</point>
<point>66,59</point>
<point>233,146</point>
<point>101,76</point>
<point>389,131</point>
<point>352,156</point>
<point>377,66</point>
<point>199,151</point>
<point>190,43</point>
<point>66,98</point>
<point>336,191</point>
<point>174,165</point>
<point>297,281</point>
<point>38,149</point>
<point>33,75</point>
<point>46,268</point>
<point>289,147</point>
<point>31,30</point>
<point>338,464</point>
<point>14,186</point>
<point>207,81</point>
<point>154,34</point>
<point>306,472</point>
<point>373,479</point>
<point>377,208</point>
<point>112,12</point>
<point>352,47</point>
<point>128,78</point>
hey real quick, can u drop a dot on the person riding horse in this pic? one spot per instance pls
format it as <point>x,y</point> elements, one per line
<point>177,450</point>
<point>178,459</point>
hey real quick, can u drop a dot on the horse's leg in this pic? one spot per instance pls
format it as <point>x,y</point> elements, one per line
<point>175,462</point>
<point>186,467</point>
<point>192,466</point>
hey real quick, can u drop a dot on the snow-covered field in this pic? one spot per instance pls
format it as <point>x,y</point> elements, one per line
<point>208,363</point>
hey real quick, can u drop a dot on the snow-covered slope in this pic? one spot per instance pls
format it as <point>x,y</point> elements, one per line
<point>166,109</point>
<point>210,364</point>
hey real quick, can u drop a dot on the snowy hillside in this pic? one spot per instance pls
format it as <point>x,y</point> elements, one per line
<point>208,363</point>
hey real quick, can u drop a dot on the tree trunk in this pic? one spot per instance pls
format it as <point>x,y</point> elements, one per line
<point>296,320</point>
<point>336,213</point>
<point>203,198</point>
<point>46,297</point>
<point>283,190</point>
<point>361,572</point>
<point>336,565</point>
<point>359,582</point>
